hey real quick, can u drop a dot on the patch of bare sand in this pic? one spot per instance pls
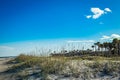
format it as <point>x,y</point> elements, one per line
<point>3,67</point>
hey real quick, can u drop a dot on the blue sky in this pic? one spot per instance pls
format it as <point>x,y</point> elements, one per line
<point>44,20</point>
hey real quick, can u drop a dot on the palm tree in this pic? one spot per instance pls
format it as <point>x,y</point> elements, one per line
<point>119,47</point>
<point>98,44</point>
<point>115,43</point>
<point>105,44</point>
<point>110,46</point>
<point>101,46</point>
<point>93,47</point>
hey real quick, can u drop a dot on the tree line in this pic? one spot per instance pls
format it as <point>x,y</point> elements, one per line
<point>108,48</point>
<point>99,49</point>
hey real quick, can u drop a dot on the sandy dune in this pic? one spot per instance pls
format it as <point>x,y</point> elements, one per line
<point>3,65</point>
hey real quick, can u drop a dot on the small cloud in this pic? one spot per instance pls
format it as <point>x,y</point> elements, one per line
<point>97,12</point>
<point>110,37</point>
<point>107,10</point>
<point>80,41</point>
<point>88,16</point>
<point>105,37</point>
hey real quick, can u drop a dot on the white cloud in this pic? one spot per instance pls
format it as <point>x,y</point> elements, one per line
<point>88,16</point>
<point>97,12</point>
<point>80,41</point>
<point>105,37</point>
<point>115,36</point>
<point>112,36</point>
<point>107,9</point>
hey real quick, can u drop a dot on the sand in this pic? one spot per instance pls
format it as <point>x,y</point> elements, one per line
<point>3,65</point>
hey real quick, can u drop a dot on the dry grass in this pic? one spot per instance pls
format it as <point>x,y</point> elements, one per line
<point>105,67</point>
<point>48,65</point>
<point>58,65</point>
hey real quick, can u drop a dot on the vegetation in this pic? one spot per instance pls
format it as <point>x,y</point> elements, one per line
<point>110,48</point>
<point>107,68</point>
<point>103,59</point>
<point>68,66</point>
<point>105,49</point>
<point>46,65</point>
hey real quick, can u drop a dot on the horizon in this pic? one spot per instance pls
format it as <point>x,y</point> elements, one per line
<point>27,24</point>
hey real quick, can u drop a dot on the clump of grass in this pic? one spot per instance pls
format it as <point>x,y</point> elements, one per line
<point>23,58</point>
<point>115,58</point>
<point>51,67</point>
<point>24,61</point>
<point>111,67</point>
<point>107,68</point>
<point>48,65</point>
<point>94,58</point>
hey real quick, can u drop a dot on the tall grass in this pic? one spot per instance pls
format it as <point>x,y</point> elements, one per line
<point>59,64</point>
<point>47,65</point>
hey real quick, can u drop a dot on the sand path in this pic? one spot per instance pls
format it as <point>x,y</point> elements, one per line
<point>3,65</point>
